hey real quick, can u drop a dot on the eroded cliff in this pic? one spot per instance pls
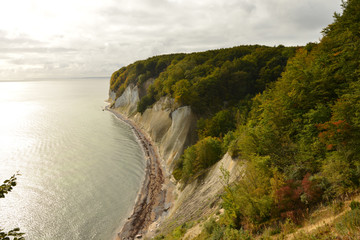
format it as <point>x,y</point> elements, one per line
<point>172,128</point>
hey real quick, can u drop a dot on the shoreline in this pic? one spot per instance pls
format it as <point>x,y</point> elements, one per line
<point>150,203</point>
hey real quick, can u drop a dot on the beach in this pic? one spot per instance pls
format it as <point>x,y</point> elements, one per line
<point>151,201</point>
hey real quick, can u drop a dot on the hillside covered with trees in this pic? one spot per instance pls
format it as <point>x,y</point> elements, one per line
<point>293,114</point>
<point>207,81</point>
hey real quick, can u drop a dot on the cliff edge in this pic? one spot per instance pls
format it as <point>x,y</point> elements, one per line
<point>173,128</point>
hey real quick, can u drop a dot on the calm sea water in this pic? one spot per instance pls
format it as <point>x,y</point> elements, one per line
<point>81,168</point>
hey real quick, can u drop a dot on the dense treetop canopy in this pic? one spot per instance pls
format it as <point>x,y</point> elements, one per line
<point>206,81</point>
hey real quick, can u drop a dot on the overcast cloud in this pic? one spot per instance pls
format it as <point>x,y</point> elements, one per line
<point>89,38</point>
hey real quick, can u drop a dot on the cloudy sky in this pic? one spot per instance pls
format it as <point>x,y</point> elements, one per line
<point>84,38</point>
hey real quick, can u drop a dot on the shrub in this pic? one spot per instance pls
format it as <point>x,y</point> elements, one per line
<point>227,141</point>
<point>210,226</point>
<point>339,173</point>
<point>144,103</point>
<point>234,234</point>
<point>354,205</point>
<point>159,237</point>
<point>295,196</point>
<point>217,126</point>
<point>311,192</point>
<point>248,201</point>
<point>198,157</point>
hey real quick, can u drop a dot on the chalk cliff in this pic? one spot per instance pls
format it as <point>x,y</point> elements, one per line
<point>172,128</point>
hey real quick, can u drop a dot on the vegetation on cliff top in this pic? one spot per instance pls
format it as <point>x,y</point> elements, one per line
<point>207,81</point>
<point>299,133</point>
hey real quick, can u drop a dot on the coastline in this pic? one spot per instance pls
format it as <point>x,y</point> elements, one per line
<point>151,201</point>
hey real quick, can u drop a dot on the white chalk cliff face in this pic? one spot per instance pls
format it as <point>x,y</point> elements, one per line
<point>127,102</point>
<point>200,198</point>
<point>172,128</point>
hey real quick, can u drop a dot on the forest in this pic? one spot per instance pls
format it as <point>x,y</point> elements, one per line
<point>292,114</point>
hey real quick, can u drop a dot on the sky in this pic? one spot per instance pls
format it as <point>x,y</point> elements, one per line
<point>94,38</point>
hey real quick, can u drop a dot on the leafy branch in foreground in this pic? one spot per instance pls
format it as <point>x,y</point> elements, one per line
<point>8,185</point>
<point>12,233</point>
<point>5,188</point>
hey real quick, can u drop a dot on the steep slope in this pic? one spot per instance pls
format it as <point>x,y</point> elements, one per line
<point>171,124</point>
<point>297,127</point>
<point>300,139</point>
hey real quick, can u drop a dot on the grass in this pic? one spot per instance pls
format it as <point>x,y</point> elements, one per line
<point>344,225</point>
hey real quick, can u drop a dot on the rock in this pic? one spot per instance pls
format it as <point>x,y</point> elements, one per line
<point>138,236</point>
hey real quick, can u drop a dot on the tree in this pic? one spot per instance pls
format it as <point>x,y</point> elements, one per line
<point>5,188</point>
<point>223,122</point>
<point>198,157</point>
<point>248,201</point>
<point>182,92</point>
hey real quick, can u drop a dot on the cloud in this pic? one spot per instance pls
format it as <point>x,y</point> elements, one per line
<point>94,38</point>
<point>39,50</point>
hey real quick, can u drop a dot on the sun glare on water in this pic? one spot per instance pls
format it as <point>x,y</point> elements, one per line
<point>14,114</point>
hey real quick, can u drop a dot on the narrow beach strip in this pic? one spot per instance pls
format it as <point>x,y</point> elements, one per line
<point>150,202</point>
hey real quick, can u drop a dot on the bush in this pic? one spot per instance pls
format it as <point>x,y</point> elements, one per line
<point>227,141</point>
<point>339,173</point>
<point>354,205</point>
<point>198,157</point>
<point>159,237</point>
<point>295,196</point>
<point>234,234</point>
<point>144,103</point>
<point>217,126</point>
<point>248,201</point>
<point>210,226</point>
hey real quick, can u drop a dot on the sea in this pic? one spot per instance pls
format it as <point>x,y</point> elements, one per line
<point>80,167</point>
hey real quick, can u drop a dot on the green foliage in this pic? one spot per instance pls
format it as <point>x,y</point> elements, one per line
<point>198,157</point>
<point>182,92</point>
<point>354,205</point>
<point>349,224</point>
<point>215,231</point>
<point>159,237</point>
<point>321,233</point>
<point>307,121</point>
<point>210,226</point>
<point>217,126</point>
<point>177,233</point>
<point>14,234</point>
<point>227,141</point>
<point>234,234</point>
<point>339,173</point>
<point>140,71</point>
<point>293,113</point>
<point>206,81</point>
<point>346,227</point>
<point>144,103</point>
<point>5,188</point>
<point>248,201</point>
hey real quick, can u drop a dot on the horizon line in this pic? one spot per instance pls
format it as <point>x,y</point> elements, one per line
<point>50,78</point>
